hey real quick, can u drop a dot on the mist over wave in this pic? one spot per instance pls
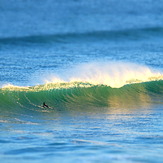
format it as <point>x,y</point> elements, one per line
<point>113,74</point>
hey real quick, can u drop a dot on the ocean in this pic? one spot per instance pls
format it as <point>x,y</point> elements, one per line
<point>81,81</point>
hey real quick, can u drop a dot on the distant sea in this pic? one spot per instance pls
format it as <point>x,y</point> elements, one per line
<point>81,81</point>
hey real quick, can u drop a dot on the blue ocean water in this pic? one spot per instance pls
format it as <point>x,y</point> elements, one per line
<point>98,65</point>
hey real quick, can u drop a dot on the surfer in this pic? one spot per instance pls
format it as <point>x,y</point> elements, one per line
<point>45,106</point>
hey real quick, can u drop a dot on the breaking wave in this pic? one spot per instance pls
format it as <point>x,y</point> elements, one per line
<point>95,84</point>
<point>74,95</point>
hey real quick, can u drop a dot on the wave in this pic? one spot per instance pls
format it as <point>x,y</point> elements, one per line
<point>96,84</point>
<point>133,34</point>
<point>81,95</point>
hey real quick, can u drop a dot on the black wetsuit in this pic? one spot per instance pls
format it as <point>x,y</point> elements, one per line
<point>44,105</point>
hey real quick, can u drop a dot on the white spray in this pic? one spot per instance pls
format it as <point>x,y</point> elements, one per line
<point>114,74</point>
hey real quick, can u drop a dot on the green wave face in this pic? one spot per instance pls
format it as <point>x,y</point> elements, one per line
<point>74,96</point>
